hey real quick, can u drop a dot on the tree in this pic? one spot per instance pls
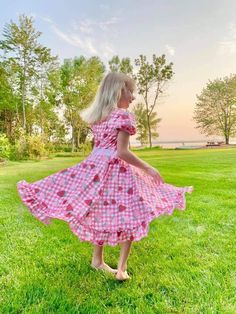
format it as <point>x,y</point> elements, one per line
<point>25,57</point>
<point>47,96</point>
<point>142,123</point>
<point>8,103</point>
<point>80,80</point>
<point>152,79</point>
<point>123,65</point>
<point>215,112</point>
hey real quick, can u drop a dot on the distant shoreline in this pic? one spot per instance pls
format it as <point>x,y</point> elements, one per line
<point>232,141</point>
<point>184,144</point>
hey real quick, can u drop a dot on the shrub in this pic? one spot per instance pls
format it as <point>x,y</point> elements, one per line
<point>85,147</point>
<point>5,147</point>
<point>36,146</point>
<point>20,149</point>
<point>29,147</point>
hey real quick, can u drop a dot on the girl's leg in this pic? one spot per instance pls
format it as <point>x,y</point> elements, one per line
<point>98,260</point>
<point>97,255</point>
<point>122,263</point>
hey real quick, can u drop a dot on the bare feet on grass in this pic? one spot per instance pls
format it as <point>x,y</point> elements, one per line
<point>104,266</point>
<point>190,189</point>
<point>122,275</point>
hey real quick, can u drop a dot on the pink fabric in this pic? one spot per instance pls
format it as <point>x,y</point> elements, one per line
<point>104,199</point>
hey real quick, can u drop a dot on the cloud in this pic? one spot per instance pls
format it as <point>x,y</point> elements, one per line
<point>73,39</point>
<point>85,26</point>
<point>106,24</point>
<point>88,26</point>
<point>86,35</point>
<point>170,50</point>
<point>228,45</point>
<point>46,19</point>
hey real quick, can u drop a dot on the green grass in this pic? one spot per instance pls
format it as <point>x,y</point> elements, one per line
<point>185,265</point>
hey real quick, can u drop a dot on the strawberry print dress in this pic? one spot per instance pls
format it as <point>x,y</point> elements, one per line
<point>104,199</point>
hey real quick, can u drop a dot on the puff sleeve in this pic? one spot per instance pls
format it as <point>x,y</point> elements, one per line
<point>126,122</point>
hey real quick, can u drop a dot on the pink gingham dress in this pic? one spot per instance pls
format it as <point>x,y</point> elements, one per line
<point>104,199</point>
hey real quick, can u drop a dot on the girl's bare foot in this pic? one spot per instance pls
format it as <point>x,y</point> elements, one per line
<point>189,189</point>
<point>122,275</point>
<point>104,266</point>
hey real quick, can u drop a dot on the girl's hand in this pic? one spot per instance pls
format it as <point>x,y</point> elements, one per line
<point>154,174</point>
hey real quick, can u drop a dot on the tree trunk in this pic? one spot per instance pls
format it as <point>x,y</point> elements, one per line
<point>72,140</point>
<point>78,138</point>
<point>23,107</point>
<point>149,132</point>
<point>23,97</point>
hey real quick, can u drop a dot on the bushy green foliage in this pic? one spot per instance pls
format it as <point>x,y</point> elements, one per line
<point>29,147</point>
<point>36,146</point>
<point>63,148</point>
<point>85,147</point>
<point>20,149</point>
<point>5,147</point>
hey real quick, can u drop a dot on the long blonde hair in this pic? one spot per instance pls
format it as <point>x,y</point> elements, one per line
<point>107,96</point>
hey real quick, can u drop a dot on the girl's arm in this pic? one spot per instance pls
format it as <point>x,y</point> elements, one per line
<point>124,153</point>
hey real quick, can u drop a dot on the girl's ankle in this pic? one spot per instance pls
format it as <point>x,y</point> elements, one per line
<point>121,270</point>
<point>96,262</point>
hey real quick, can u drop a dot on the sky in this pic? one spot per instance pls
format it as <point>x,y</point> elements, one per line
<point>199,37</point>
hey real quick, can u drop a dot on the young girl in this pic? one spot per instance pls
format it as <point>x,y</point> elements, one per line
<point>111,196</point>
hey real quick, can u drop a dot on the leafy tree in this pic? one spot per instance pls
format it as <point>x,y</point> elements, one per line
<point>215,111</point>
<point>47,96</point>
<point>80,78</point>
<point>142,123</point>
<point>152,79</point>
<point>26,59</point>
<point>8,104</point>
<point>124,65</point>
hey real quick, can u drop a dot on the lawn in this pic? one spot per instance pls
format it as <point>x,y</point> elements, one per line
<point>185,265</point>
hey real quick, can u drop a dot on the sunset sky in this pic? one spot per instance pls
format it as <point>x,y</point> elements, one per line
<point>199,37</point>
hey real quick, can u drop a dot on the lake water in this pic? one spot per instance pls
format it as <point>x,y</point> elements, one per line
<point>174,144</point>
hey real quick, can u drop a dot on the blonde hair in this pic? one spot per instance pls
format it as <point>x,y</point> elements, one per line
<point>107,96</point>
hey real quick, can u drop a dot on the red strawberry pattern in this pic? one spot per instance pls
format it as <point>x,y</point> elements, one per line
<point>130,191</point>
<point>96,178</point>
<point>100,192</point>
<point>61,193</point>
<point>100,242</point>
<point>122,169</point>
<point>69,207</point>
<point>122,208</point>
<point>164,199</point>
<point>144,224</point>
<point>88,202</point>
